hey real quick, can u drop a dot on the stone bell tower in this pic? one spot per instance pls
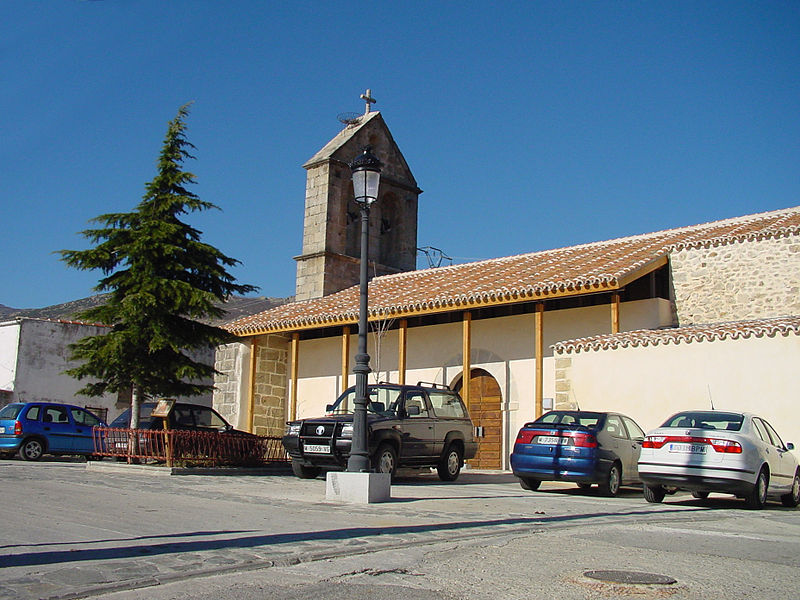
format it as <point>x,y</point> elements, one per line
<point>331,229</point>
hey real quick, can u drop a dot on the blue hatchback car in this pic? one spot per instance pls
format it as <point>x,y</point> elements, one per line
<point>37,428</point>
<point>584,447</point>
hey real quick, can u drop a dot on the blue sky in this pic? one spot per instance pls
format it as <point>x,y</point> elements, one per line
<point>529,125</point>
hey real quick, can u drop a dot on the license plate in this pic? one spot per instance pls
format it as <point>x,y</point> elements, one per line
<point>688,448</point>
<point>317,449</point>
<point>552,440</point>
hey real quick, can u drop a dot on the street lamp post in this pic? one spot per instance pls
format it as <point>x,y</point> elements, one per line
<point>366,170</point>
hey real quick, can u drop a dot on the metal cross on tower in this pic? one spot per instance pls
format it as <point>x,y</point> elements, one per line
<point>367,97</point>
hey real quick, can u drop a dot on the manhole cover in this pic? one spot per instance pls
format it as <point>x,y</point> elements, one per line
<point>631,577</point>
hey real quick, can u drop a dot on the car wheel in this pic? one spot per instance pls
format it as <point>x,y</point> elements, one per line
<point>792,499</point>
<point>31,449</point>
<point>757,497</point>
<point>385,460</point>
<point>700,495</point>
<point>610,486</point>
<point>654,493</point>
<point>450,464</point>
<point>304,472</point>
<point>527,483</point>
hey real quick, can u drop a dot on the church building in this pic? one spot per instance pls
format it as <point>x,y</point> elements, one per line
<point>689,318</point>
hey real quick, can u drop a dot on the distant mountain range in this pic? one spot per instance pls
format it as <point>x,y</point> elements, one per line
<point>236,307</point>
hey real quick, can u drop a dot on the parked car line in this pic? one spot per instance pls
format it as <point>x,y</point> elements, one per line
<point>719,451</point>
<point>33,429</point>
<point>584,447</point>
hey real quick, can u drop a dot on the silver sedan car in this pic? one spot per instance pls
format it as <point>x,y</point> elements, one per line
<point>716,451</point>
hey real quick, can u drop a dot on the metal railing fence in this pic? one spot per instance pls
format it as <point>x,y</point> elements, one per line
<point>176,446</point>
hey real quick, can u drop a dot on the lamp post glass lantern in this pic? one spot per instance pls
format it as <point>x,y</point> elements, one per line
<point>366,170</point>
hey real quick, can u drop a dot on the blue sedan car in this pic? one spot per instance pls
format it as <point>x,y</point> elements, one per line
<point>37,428</point>
<point>584,447</point>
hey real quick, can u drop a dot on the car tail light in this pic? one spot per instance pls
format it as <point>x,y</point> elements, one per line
<point>17,428</point>
<point>584,440</point>
<point>654,441</point>
<point>725,446</point>
<point>525,436</point>
<point>719,445</point>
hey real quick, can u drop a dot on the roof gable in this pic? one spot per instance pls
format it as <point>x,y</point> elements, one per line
<point>369,129</point>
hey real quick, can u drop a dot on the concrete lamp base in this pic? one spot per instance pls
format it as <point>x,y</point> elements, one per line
<point>358,488</point>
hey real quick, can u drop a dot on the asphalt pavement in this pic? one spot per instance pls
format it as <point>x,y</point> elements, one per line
<point>74,530</point>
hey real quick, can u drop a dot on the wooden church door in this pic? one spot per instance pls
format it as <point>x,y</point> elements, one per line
<point>484,410</point>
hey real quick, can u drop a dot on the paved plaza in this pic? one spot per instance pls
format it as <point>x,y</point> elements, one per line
<point>110,530</point>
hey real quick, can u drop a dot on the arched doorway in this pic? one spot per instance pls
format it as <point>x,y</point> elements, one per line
<point>484,410</point>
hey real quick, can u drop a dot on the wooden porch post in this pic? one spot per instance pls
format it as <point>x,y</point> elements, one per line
<point>466,350</point>
<point>615,312</point>
<point>295,370</point>
<point>539,343</point>
<point>345,358</point>
<point>401,351</point>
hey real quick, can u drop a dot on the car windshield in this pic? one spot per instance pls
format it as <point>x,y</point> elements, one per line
<point>706,420</point>
<point>382,401</point>
<point>10,411</point>
<point>570,418</point>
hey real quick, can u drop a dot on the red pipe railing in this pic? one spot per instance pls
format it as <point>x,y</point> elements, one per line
<point>188,447</point>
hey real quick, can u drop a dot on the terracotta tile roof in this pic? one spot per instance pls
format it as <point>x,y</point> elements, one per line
<point>569,271</point>
<point>696,333</point>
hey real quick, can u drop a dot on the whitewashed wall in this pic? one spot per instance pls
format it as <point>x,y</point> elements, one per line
<point>504,347</point>
<point>651,383</point>
<point>9,343</point>
<point>44,355</point>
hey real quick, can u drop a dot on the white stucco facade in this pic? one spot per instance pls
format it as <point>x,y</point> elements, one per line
<point>34,354</point>
<point>504,347</point>
<point>649,383</point>
<point>9,343</point>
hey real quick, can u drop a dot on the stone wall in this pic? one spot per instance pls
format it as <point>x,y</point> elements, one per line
<point>564,399</point>
<point>741,280</point>
<point>271,385</point>
<point>232,385</point>
<point>331,251</point>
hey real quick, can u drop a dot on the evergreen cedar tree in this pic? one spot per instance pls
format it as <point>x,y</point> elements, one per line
<point>162,281</point>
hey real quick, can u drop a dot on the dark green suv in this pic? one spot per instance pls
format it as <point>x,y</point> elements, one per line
<point>416,426</point>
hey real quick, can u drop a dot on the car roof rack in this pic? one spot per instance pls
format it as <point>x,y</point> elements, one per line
<point>438,386</point>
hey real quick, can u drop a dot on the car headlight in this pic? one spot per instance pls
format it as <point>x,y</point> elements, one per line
<point>347,430</point>
<point>293,429</point>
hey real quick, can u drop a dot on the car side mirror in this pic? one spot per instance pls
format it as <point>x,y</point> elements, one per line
<point>328,407</point>
<point>412,411</point>
<point>789,446</point>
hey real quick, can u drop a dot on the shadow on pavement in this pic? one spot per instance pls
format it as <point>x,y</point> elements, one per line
<point>127,552</point>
